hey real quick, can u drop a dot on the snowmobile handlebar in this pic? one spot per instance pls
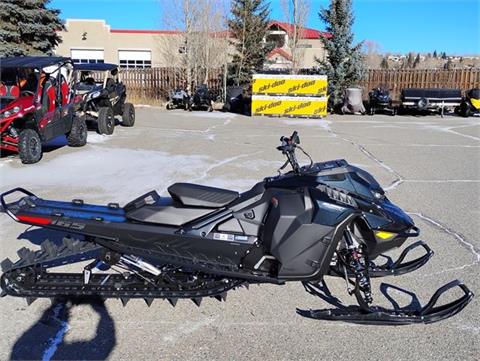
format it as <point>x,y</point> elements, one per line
<point>288,148</point>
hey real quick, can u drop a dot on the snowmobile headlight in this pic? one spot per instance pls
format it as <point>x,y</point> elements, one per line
<point>377,195</point>
<point>16,109</point>
<point>6,114</point>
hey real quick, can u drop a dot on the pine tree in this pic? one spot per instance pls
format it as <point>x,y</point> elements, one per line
<point>344,63</point>
<point>28,27</point>
<point>384,63</point>
<point>435,55</point>
<point>444,56</point>
<point>248,25</point>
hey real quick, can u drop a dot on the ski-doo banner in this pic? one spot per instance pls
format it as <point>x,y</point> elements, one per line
<point>267,84</point>
<point>289,106</point>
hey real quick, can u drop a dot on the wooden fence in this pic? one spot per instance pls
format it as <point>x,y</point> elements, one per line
<point>156,83</point>
<point>396,80</point>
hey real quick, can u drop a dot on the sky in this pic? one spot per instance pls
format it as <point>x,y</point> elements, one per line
<point>399,26</point>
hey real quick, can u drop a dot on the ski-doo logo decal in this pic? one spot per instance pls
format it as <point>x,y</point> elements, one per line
<point>290,85</point>
<point>302,106</point>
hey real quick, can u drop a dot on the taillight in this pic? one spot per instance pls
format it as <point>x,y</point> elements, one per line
<point>35,220</point>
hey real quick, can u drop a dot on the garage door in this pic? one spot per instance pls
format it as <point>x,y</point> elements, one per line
<point>83,56</point>
<point>135,58</point>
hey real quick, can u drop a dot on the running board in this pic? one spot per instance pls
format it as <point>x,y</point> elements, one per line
<point>391,268</point>
<point>429,313</point>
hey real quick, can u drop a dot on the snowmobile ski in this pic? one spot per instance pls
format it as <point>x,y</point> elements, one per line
<point>429,313</point>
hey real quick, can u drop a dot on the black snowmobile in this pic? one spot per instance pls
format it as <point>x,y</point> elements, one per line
<point>201,99</point>
<point>380,101</point>
<point>328,218</point>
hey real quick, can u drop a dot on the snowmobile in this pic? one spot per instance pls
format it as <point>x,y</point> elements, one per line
<point>178,99</point>
<point>380,100</point>
<point>328,218</point>
<point>201,99</point>
<point>470,105</point>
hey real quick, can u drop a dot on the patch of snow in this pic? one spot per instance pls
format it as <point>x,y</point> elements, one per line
<point>116,174</point>
<point>95,138</point>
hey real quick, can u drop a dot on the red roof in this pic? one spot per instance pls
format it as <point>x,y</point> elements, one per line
<point>305,33</point>
<point>281,52</point>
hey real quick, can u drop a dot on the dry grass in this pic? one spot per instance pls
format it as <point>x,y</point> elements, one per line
<point>136,99</point>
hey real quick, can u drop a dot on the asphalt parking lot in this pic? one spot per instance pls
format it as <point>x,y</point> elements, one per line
<point>430,167</point>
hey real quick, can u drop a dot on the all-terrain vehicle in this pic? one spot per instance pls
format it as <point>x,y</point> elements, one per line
<point>328,218</point>
<point>202,99</point>
<point>104,98</point>
<point>380,101</point>
<point>38,103</point>
<point>470,105</point>
<point>178,99</point>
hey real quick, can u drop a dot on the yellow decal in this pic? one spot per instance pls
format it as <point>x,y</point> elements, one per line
<point>384,235</point>
<point>289,106</point>
<point>315,85</point>
<point>475,103</point>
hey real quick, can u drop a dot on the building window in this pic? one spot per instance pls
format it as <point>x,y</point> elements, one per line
<point>85,56</point>
<point>135,59</point>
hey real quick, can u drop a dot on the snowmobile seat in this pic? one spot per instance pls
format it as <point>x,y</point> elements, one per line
<point>197,195</point>
<point>168,212</point>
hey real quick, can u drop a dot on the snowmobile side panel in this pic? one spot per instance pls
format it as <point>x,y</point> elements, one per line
<point>298,244</point>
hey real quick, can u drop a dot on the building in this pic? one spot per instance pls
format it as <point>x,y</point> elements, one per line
<point>309,47</point>
<point>90,41</point>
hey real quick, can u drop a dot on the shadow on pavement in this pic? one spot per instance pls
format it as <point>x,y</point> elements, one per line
<point>44,340</point>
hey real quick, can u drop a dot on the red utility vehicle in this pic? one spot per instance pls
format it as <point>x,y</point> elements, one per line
<point>38,103</point>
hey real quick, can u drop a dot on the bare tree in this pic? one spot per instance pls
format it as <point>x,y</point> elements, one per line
<point>372,54</point>
<point>200,44</point>
<point>296,13</point>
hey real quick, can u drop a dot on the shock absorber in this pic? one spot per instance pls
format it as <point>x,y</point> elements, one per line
<point>359,265</point>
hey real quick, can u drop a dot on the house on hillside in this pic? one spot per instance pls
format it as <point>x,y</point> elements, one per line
<point>92,41</point>
<point>309,46</point>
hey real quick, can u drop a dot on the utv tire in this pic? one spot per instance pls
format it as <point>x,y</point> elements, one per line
<point>128,116</point>
<point>29,146</point>
<point>77,137</point>
<point>106,121</point>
